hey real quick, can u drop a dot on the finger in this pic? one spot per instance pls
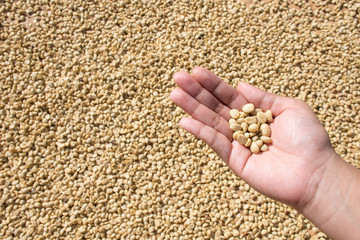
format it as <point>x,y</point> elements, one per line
<point>217,141</point>
<point>263,99</point>
<point>220,89</point>
<point>199,112</point>
<point>187,82</point>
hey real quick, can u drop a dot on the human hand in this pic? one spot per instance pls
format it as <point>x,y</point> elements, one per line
<point>292,167</point>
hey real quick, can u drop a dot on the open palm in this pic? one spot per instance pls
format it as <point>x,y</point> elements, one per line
<point>291,169</point>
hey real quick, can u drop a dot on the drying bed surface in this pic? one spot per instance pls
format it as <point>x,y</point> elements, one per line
<point>90,143</point>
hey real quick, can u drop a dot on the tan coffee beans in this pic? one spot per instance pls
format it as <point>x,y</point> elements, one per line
<point>251,127</point>
<point>254,147</point>
<point>248,108</point>
<point>234,113</point>
<point>235,127</point>
<point>265,130</point>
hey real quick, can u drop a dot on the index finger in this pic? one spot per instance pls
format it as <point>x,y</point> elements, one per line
<point>228,95</point>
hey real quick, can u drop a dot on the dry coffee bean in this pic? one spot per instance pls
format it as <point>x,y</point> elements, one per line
<point>266,139</point>
<point>253,128</point>
<point>234,113</point>
<point>235,127</point>
<point>259,143</point>
<point>261,117</point>
<point>252,134</point>
<point>242,115</point>
<point>240,120</point>
<point>248,108</point>
<point>248,143</point>
<point>244,126</point>
<point>236,134</point>
<point>242,139</point>
<point>254,148</point>
<point>265,130</point>
<point>264,148</point>
<point>269,116</point>
<point>255,112</point>
<point>251,120</point>
<point>232,121</point>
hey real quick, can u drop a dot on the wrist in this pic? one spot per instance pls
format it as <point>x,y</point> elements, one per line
<point>319,180</point>
<point>333,207</point>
